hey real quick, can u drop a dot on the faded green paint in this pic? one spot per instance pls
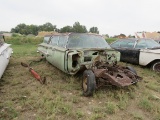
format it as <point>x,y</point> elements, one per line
<point>72,60</point>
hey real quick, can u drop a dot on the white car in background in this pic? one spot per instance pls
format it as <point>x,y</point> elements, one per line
<point>145,52</point>
<point>5,54</point>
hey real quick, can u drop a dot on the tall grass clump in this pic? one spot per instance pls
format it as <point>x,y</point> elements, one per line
<point>21,40</point>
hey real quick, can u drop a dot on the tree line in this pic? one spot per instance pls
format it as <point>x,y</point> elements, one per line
<point>34,29</point>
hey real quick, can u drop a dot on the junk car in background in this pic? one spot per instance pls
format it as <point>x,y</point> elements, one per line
<point>145,52</point>
<point>5,53</point>
<point>158,41</point>
<point>72,52</point>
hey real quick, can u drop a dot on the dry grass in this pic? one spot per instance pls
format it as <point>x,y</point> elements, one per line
<point>22,97</point>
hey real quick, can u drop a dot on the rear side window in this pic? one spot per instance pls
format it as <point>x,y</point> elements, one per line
<point>54,40</point>
<point>46,39</point>
<point>127,44</point>
<point>141,44</point>
<point>123,44</point>
<point>116,44</point>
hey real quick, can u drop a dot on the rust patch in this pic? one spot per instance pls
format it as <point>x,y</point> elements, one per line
<point>115,75</point>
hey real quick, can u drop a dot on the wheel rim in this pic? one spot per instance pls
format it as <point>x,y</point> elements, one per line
<point>85,84</point>
<point>157,67</point>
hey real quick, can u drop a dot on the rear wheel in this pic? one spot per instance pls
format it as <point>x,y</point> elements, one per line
<point>88,83</point>
<point>156,66</point>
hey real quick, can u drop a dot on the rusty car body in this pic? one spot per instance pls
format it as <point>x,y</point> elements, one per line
<point>145,52</point>
<point>73,52</point>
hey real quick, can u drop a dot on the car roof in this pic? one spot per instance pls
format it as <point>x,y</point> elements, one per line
<point>62,34</point>
<point>133,39</point>
<point>129,39</point>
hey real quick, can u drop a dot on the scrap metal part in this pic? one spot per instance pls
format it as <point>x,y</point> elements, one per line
<point>115,75</point>
<point>35,74</point>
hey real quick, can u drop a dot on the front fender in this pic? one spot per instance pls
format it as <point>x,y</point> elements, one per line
<point>72,61</point>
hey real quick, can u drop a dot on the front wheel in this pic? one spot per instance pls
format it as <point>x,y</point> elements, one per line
<point>156,66</point>
<point>88,83</point>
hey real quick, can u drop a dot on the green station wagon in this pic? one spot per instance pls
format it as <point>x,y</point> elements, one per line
<point>90,53</point>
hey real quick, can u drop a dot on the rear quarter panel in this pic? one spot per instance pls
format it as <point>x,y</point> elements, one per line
<point>147,56</point>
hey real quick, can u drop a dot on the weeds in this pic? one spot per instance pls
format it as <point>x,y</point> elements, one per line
<point>8,112</point>
<point>153,86</point>
<point>145,104</point>
<point>137,116</point>
<point>79,114</point>
<point>110,107</point>
<point>21,40</point>
<point>157,117</point>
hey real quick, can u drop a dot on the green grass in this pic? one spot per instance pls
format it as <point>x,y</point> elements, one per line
<point>110,40</point>
<point>23,97</point>
<point>24,50</point>
<point>137,116</point>
<point>21,40</point>
<point>110,107</point>
<point>24,46</point>
<point>145,104</point>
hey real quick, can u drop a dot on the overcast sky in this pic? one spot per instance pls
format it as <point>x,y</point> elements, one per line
<point>110,16</point>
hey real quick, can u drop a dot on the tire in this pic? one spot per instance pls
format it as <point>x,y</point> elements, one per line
<point>88,83</point>
<point>156,66</point>
<point>131,69</point>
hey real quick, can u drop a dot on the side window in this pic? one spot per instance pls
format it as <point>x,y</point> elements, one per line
<point>115,45</point>
<point>123,44</point>
<point>141,44</point>
<point>127,44</point>
<point>130,44</point>
<point>54,40</point>
<point>62,41</point>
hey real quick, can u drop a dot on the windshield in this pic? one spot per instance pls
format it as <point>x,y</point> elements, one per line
<point>86,41</point>
<point>147,43</point>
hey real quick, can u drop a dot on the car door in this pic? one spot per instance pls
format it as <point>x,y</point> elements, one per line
<point>51,49</point>
<point>130,55</point>
<point>59,52</point>
<point>128,52</point>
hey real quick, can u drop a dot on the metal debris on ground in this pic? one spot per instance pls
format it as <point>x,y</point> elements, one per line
<point>35,74</point>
